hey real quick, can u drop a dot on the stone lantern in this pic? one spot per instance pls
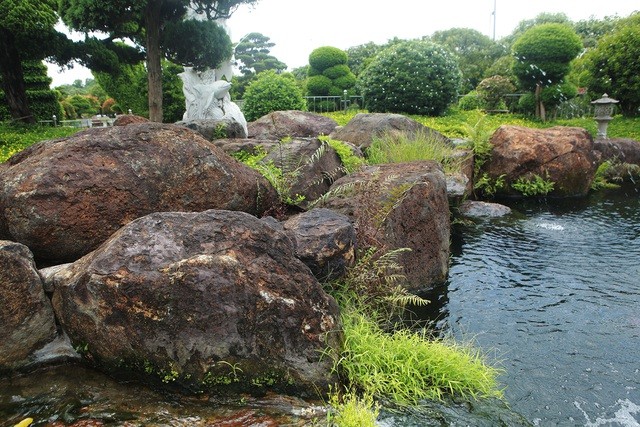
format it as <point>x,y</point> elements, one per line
<point>603,113</point>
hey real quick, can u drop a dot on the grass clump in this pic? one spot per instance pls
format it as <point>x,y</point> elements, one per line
<point>352,410</point>
<point>384,359</point>
<point>399,147</point>
<point>408,366</point>
<point>350,161</point>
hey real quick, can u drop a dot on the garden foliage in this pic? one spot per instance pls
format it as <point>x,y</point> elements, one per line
<point>329,74</point>
<point>271,92</point>
<point>413,77</point>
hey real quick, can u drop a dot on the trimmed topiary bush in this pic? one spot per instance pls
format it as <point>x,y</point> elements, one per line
<point>412,77</point>
<point>329,74</point>
<point>319,85</point>
<point>326,57</point>
<point>271,92</point>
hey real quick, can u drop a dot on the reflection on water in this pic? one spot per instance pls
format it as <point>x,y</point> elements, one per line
<point>554,291</point>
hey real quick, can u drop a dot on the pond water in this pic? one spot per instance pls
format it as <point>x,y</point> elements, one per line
<point>553,293</point>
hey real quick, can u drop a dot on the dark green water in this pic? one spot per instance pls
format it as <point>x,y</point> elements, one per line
<point>553,292</point>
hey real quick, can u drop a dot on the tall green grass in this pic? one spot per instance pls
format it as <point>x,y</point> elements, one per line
<point>399,147</point>
<point>408,366</point>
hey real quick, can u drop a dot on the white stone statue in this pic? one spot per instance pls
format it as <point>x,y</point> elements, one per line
<point>207,94</point>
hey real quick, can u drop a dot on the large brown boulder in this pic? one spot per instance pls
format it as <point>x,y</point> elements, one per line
<point>325,241</point>
<point>564,155</point>
<point>364,127</point>
<point>309,167</point>
<point>400,205</point>
<point>291,123</point>
<point>63,198</point>
<point>210,300</point>
<point>26,317</point>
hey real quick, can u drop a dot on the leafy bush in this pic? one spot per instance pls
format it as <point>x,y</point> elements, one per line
<point>471,101</point>
<point>271,92</point>
<point>543,54</point>
<point>492,91</point>
<point>414,77</point>
<point>614,65</point>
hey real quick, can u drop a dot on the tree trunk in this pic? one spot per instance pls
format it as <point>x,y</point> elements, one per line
<point>540,110</point>
<point>13,79</point>
<point>154,59</point>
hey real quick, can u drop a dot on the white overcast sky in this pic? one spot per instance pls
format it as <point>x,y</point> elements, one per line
<point>297,27</point>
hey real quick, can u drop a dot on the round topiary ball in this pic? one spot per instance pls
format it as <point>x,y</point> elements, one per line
<point>327,56</point>
<point>271,92</point>
<point>412,77</point>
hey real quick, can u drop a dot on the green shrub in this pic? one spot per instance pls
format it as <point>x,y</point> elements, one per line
<point>329,74</point>
<point>413,77</point>
<point>471,101</point>
<point>345,82</point>
<point>325,57</point>
<point>271,92</point>
<point>408,366</point>
<point>492,91</point>
<point>318,85</point>
<point>336,71</point>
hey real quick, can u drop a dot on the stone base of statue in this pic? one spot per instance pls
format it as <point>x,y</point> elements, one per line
<point>207,98</point>
<point>213,129</point>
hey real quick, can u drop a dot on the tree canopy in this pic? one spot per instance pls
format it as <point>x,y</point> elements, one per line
<point>160,29</point>
<point>614,65</point>
<point>27,33</point>
<point>475,52</point>
<point>542,57</point>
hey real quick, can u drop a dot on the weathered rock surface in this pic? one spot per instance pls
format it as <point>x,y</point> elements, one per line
<point>325,241</point>
<point>401,205</point>
<point>364,127</point>
<point>248,145</point>
<point>209,300</point>
<point>212,129</point>
<point>63,198</point>
<point>129,119</point>
<point>619,150</point>
<point>26,317</point>
<point>476,209</point>
<point>292,123</point>
<point>311,166</point>
<point>563,155</point>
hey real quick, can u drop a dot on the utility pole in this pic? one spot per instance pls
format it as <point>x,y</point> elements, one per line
<point>494,19</point>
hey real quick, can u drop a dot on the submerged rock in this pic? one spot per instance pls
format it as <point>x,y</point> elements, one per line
<point>476,209</point>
